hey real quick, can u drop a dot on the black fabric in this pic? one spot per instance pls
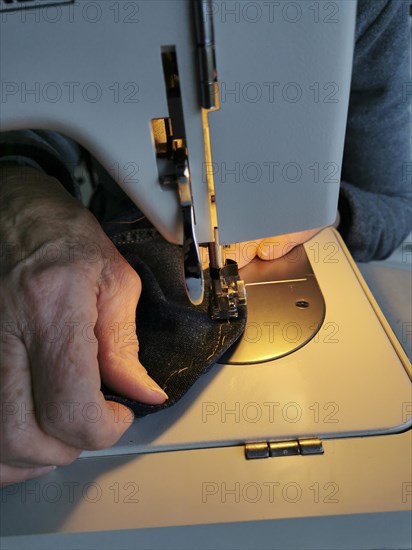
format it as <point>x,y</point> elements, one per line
<point>178,342</point>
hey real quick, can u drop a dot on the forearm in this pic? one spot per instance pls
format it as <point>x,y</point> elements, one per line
<point>376,198</point>
<point>372,224</point>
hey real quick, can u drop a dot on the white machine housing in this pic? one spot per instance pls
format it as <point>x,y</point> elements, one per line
<point>93,71</point>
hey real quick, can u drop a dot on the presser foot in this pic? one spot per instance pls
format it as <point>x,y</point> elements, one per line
<point>227,293</point>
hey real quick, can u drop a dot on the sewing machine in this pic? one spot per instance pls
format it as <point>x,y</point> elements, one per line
<point>224,122</point>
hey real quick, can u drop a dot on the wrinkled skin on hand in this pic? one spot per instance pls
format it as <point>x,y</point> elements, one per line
<point>67,306</point>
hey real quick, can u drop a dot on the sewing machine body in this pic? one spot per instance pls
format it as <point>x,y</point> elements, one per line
<point>180,478</point>
<point>279,129</point>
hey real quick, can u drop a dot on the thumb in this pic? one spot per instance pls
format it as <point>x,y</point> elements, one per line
<point>275,247</point>
<point>242,253</point>
<point>118,346</point>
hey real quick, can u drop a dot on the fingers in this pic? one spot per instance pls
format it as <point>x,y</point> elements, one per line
<point>64,369</point>
<point>23,443</point>
<point>120,367</point>
<point>273,248</point>
<point>10,474</point>
<point>270,248</point>
<point>242,253</point>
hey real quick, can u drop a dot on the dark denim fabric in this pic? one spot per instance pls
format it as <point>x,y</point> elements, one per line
<point>178,342</point>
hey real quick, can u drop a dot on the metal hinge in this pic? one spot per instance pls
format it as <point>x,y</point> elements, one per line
<point>268,449</point>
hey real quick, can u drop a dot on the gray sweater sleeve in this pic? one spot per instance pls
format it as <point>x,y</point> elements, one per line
<point>375,198</point>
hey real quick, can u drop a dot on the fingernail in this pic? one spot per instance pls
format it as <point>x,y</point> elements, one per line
<point>151,384</point>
